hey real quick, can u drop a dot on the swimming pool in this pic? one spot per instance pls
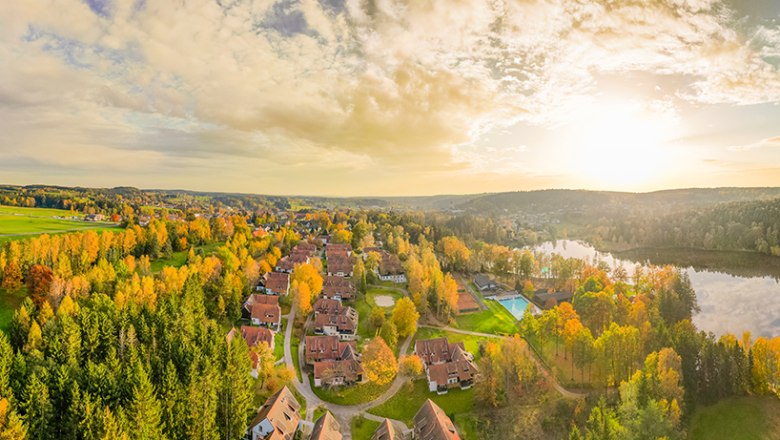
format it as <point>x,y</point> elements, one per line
<point>516,306</point>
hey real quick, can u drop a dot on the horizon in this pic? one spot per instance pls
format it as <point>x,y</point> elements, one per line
<point>379,196</point>
<point>351,98</point>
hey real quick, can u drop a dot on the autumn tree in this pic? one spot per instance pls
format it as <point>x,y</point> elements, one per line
<point>11,427</point>
<point>38,283</point>
<point>410,366</point>
<point>12,275</point>
<point>307,274</point>
<point>379,363</point>
<point>405,317</point>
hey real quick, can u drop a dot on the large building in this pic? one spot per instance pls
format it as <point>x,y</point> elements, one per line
<point>331,318</point>
<point>335,362</point>
<point>276,283</point>
<point>446,365</point>
<point>340,288</point>
<point>277,419</point>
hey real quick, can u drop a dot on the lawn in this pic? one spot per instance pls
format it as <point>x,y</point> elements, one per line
<point>318,412</point>
<point>365,304</point>
<point>177,259</point>
<point>496,320</point>
<point>362,428</point>
<point>279,342</point>
<point>405,404</point>
<point>294,343</point>
<point>375,291</point>
<point>745,418</point>
<point>18,223</point>
<point>9,302</point>
<point>349,395</point>
<point>471,343</point>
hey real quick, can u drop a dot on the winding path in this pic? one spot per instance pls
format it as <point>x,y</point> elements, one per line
<point>343,413</point>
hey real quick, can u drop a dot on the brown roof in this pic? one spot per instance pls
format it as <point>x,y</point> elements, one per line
<point>257,298</point>
<point>332,286</point>
<point>309,248</point>
<point>281,410</point>
<point>390,264</point>
<point>386,431</point>
<point>341,264</point>
<point>431,423</point>
<point>464,370</point>
<point>266,313</point>
<point>434,351</point>
<point>277,281</point>
<point>466,302</point>
<point>256,335</point>
<point>349,369</point>
<point>326,428</point>
<point>332,312</point>
<point>321,348</point>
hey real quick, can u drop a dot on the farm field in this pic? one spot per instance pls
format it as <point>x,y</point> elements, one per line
<point>18,223</point>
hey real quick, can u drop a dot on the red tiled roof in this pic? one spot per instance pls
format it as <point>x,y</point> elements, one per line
<point>431,423</point>
<point>321,348</point>
<point>277,281</point>
<point>266,313</point>
<point>434,351</point>
<point>281,410</point>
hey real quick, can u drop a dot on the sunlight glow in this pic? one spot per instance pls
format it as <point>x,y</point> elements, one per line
<point>622,143</point>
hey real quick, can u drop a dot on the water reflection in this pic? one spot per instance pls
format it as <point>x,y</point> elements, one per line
<point>736,291</point>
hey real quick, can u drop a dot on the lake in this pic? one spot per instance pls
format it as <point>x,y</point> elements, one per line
<point>736,291</point>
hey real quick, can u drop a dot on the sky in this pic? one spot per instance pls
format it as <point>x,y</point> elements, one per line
<point>390,97</point>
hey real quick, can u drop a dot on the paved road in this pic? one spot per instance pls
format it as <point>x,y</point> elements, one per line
<point>342,413</point>
<point>551,377</point>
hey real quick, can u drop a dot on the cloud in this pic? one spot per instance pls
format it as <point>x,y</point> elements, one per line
<point>768,142</point>
<point>402,84</point>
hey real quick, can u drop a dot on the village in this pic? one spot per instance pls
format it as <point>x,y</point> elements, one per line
<point>327,351</point>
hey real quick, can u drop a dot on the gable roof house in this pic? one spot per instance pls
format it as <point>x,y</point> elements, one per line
<point>276,283</point>
<point>337,288</point>
<point>335,362</point>
<point>267,315</point>
<point>326,428</point>
<point>277,419</point>
<point>431,423</point>
<point>484,282</point>
<point>390,268</point>
<point>446,365</point>
<point>333,319</point>
<point>288,263</point>
<point>340,266</point>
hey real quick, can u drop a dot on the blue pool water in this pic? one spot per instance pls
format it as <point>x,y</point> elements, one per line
<point>516,306</point>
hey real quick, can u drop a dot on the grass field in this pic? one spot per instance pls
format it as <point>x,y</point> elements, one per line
<point>364,306</point>
<point>745,418</point>
<point>362,428</point>
<point>349,395</point>
<point>405,404</point>
<point>18,223</point>
<point>9,302</point>
<point>496,319</point>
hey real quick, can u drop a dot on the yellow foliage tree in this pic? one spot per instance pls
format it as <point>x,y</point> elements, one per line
<point>379,363</point>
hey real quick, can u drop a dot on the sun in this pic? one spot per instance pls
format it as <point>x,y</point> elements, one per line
<point>622,144</point>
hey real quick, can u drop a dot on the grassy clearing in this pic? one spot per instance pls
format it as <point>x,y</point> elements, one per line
<point>471,343</point>
<point>405,404</point>
<point>496,320</point>
<point>18,223</point>
<point>294,344</point>
<point>362,428</point>
<point>9,302</point>
<point>177,259</point>
<point>745,418</point>
<point>349,395</point>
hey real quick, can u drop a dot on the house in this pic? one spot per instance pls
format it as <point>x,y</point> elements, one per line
<point>431,423</point>
<point>333,319</point>
<point>552,299</point>
<point>390,269</point>
<point>335,362</point>
<point>337,249</point>
<point>340,266</point>
<point>484,282</point>
<point>339,288</point>
<point>94,217</point>
<point>253,336</point>
<point>324,348</point>
<point>446,365</point>
<point>386,431</point>
<point>277,419</point>
<point>308,248</point>
<point>344,371</point>
<point>288,263</point>
<point>267,315</point>
<point>326,428</point>
<point>277,283</point>
<point>257,298</point>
